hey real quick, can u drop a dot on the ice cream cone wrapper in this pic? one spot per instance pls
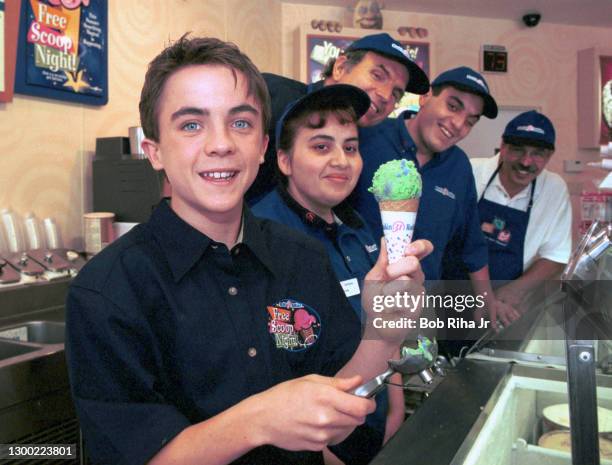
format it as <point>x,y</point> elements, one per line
<point>398,219</point>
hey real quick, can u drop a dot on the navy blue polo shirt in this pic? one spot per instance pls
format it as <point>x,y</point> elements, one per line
<point>167,328</point>
<point>448,207</point>
<point>349,243</point>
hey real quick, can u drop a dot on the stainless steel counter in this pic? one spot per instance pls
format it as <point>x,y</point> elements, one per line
<point>35,403</point>
<point>436,431</point>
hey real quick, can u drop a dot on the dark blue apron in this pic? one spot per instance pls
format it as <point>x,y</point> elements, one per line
<point>504,228</point>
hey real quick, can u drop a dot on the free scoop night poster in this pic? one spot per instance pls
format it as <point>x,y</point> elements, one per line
<point>63,50</point>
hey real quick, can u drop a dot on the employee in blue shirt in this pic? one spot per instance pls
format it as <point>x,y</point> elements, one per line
<point>206,335</point>
<point>319,164</point>
<point>448,215</point>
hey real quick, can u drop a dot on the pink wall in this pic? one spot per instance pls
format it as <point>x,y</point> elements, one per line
<point>542,67</point>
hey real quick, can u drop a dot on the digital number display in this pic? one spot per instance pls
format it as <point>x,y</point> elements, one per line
<point>495,61</point>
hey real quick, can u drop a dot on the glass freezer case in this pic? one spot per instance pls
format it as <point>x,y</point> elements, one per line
<point>516,395</point>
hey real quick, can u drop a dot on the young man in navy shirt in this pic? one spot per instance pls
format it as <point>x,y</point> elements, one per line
<point>191,339</point>
<point>447,214</point>
<point>377,64</point>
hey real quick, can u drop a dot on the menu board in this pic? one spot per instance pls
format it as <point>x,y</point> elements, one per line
<point>63,50</point>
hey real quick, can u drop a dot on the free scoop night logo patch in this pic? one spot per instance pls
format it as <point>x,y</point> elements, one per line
<point>294,326</point>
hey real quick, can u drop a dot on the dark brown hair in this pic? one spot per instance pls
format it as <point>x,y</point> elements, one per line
<point>353,57</point>
<point>197,51</point>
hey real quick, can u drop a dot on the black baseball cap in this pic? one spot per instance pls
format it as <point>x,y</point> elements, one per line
<point>418,82</point>
<point>332,96</point>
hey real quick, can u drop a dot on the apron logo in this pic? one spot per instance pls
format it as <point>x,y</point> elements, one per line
<point>499,223</point>
<point>487,227</point>
<point>504,236</point>
<point>294,326</point>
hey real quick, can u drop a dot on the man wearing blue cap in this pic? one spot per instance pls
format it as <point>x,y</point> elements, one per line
<point>448,214</point>
<point>377,64</point>
<point>524,209</point>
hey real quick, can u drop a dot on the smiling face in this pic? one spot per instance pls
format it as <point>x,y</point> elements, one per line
<point>444,119</point>
<point>211,142</point>
<point>382,78</point>
<point>324,165</point>
<point>521,165</point>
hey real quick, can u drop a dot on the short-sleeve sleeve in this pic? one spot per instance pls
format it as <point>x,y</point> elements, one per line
<point>123,412</point>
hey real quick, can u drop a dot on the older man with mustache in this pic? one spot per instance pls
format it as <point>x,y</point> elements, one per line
<point>524,209</point>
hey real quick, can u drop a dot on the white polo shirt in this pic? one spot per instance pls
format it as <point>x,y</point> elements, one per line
<point>549,232</point>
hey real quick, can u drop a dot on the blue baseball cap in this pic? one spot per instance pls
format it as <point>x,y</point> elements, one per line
<point>530,128</point>
<point>418,82</point>
<point>470,79</point>
<point>328,98</point>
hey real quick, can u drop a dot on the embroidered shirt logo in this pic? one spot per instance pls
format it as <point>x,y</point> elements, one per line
<point>445,192</point>
<point>478,81</point>
<point>371,248</point>
<point>531,128</point>
<point>294,326</point>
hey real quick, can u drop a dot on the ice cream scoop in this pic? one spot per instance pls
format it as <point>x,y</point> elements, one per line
<point>397,187</point>
<point>413,361</point>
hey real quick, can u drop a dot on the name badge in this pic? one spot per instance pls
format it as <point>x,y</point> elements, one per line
<point>351,287</point>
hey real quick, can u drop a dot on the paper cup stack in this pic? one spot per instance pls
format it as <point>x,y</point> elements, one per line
<point>397,187</point>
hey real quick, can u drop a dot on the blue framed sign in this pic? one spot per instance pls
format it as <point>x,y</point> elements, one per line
<point>63,50</point>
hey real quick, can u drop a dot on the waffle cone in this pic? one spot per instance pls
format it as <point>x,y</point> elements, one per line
<point>406,205</point>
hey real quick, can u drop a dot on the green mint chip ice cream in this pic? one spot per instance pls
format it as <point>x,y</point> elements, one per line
<point>396,180</point>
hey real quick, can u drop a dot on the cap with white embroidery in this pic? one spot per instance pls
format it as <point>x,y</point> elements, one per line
<point>467,77</point>
<point>530,128</point>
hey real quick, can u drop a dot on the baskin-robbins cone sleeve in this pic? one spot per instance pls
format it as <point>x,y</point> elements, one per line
<point>397,187</point>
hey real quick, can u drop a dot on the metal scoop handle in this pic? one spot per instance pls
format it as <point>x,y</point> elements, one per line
<point>374,386</point>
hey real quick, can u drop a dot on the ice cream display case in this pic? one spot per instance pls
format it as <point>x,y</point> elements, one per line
<point>517,395</point>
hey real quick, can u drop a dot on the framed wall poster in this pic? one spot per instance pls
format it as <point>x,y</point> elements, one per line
<point>2,50</point>
<point>605,134</point>
<point>63,50</point>
<point>594,97</point>
<point>9,12</point>
<point>316,48</point>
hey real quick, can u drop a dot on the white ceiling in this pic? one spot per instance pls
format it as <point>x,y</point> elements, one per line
<point>577,12</point>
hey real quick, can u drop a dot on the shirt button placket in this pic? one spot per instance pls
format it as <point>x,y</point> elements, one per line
<point>232,290</point>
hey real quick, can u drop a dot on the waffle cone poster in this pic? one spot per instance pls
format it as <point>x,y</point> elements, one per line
<point>62,50</point>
